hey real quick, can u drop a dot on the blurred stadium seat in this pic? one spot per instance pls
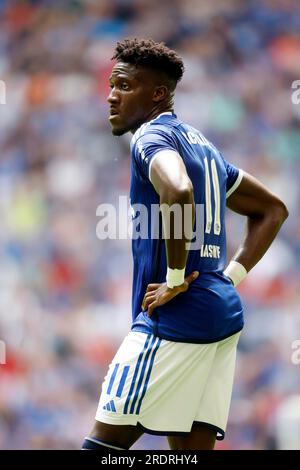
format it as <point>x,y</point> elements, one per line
<point>64,294</point>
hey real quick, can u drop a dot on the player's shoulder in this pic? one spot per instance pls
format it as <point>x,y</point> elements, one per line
<point>152,129</point>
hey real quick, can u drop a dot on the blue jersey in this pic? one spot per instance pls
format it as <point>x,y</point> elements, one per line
<point>210,310</point>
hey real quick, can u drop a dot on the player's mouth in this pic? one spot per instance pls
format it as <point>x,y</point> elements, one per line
<point>113,113</point>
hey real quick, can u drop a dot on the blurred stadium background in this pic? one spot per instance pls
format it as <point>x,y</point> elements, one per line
<point>64,294</point>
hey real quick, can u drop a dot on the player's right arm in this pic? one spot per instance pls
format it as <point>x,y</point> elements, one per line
<point>265,214</point>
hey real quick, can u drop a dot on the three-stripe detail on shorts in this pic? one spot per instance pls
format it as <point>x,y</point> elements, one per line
<point>110,406</point>
<point>112,379</point>
<point>122,381</point>
<point>148,375</point>
<point>144,365</point>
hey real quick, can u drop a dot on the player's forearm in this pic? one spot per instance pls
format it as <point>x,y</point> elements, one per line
<point>178,213</point>
<point>260,232</point>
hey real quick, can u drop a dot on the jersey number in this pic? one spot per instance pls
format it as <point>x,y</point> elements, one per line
<point>208,202</point>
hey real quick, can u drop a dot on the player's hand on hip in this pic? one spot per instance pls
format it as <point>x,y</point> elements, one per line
<point>160,294</point>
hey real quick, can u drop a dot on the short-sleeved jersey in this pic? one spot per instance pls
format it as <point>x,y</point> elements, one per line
<point>210,310</point>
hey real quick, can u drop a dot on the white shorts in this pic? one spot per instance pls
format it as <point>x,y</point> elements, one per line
<point>165,386</point>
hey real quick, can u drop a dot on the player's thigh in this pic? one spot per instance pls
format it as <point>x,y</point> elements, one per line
<point>121,435</point>
<point>201,437</point>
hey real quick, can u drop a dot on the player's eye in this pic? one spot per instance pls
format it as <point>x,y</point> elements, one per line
<point>125,86</point>
<point>111,85</point>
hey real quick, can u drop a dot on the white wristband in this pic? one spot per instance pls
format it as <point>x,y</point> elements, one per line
<point>175,277</point>
<point>236,272</point>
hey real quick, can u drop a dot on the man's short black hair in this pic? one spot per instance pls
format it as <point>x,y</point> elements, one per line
<point>148,53</point>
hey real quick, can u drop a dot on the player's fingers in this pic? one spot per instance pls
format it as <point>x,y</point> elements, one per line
<point>147,301</point>
<point>149,294</point>
<point>151,287</point>
<point>192,277</point>
<point>152,307</point>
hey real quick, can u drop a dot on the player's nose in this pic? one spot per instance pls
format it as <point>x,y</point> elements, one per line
<point>112,97</point>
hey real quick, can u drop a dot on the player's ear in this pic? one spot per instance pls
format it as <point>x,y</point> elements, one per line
<point>160,93</point>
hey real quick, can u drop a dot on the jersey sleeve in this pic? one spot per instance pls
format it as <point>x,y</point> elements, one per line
<point>234,177</point>
<point>147,146</point>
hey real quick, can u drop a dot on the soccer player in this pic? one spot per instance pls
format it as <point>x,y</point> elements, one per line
<point>173,373</point>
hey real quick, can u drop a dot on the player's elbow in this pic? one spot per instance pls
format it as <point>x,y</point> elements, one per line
<point>182,194</point>
<point>279,212</point>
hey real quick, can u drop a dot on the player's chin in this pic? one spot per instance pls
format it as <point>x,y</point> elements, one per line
<point>118,131</point>
<point>118,125</point>
<point>118,128</point>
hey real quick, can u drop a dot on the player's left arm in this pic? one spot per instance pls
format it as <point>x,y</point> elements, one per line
<point>173,185</point>
<point>265,214</point>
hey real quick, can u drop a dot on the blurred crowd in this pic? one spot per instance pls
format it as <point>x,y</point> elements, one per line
<point>64,294</point>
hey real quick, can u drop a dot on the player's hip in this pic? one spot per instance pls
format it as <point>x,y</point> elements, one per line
<point>159,383</point>
<point>189,325</point>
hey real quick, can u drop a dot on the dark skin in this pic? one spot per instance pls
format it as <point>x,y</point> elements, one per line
<point>265,214</point>
<point>137,96</point>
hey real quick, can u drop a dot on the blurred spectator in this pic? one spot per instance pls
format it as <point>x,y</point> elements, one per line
<point>64,294</point>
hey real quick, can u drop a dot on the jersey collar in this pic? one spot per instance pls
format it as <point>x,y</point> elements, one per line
<point>166,113</point>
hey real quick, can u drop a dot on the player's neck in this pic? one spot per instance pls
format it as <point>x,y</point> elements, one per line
<point>156,112</point>
<point>153,115</point>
